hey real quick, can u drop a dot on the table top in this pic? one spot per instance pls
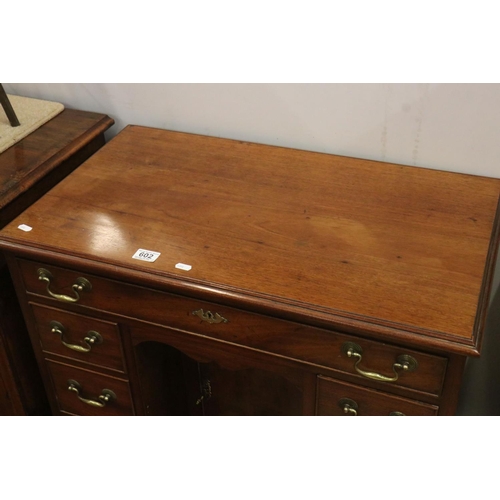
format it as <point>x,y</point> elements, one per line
<point>397,252</point>
<point>35,156</point>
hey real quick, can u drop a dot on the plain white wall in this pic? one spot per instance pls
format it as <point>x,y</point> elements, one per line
<point>445,126</point>
<point>453,127</point>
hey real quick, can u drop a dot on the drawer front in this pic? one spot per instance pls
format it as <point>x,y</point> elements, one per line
<point>79,337</point>
<point>336,398</point>
<point>93,390</point>
<point>304,343</point>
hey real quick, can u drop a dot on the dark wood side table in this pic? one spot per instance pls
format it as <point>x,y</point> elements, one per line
<point>27,171</point>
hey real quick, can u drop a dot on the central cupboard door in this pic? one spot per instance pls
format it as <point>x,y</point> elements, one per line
<point>206,380</point>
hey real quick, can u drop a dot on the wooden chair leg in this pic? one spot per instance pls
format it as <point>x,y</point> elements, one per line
<point>7,107</point>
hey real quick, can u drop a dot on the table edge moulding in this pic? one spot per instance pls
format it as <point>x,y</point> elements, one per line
<point>307,273</point>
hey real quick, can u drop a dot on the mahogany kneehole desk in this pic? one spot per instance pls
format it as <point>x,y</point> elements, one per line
<point>287,282</point>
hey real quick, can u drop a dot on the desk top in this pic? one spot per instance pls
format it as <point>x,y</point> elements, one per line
<point>396,252</point>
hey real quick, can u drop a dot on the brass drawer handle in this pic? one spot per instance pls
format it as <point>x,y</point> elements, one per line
<point>92,338</point>
<point>80,285</point>
<point>349,406</point>
<point>209,316</point>
<point>403,362</point>
<point>105,397</point>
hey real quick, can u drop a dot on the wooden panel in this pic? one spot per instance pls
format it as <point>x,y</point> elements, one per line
<point>369,403</point>
<point>250,392</point>
<point>23,392</point>
<point>10,403</point>
<point>107,353</point>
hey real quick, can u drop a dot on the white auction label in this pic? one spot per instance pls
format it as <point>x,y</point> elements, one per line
<point>184,267</point>
<point>24,227</point>
<point>146,255</point>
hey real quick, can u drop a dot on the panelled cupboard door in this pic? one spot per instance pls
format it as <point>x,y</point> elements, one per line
<point>174,383</point>
<point>336,398</point>
<point>249,391</point>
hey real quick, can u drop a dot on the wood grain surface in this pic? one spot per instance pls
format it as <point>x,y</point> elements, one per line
<point>385,245</point>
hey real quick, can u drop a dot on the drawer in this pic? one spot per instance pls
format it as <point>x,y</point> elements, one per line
<point>93,390</point>
<point>301,342</point>
<point>336,398</point>
<point>74,336</point>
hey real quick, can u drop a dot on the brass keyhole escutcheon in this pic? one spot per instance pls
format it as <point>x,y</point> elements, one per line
<point>209,316</point>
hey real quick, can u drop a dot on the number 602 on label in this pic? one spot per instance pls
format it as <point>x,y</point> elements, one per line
<point>146,255</point>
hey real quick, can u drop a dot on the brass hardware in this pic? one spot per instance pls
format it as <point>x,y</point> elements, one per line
<point>349,406</point>
<point>105,397</point>
<point>396,414</point>
<point>403,362</point>
<point>206,389</point>
<point>80,285</point>
<point>209,317</point>
<point>92,338</point>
